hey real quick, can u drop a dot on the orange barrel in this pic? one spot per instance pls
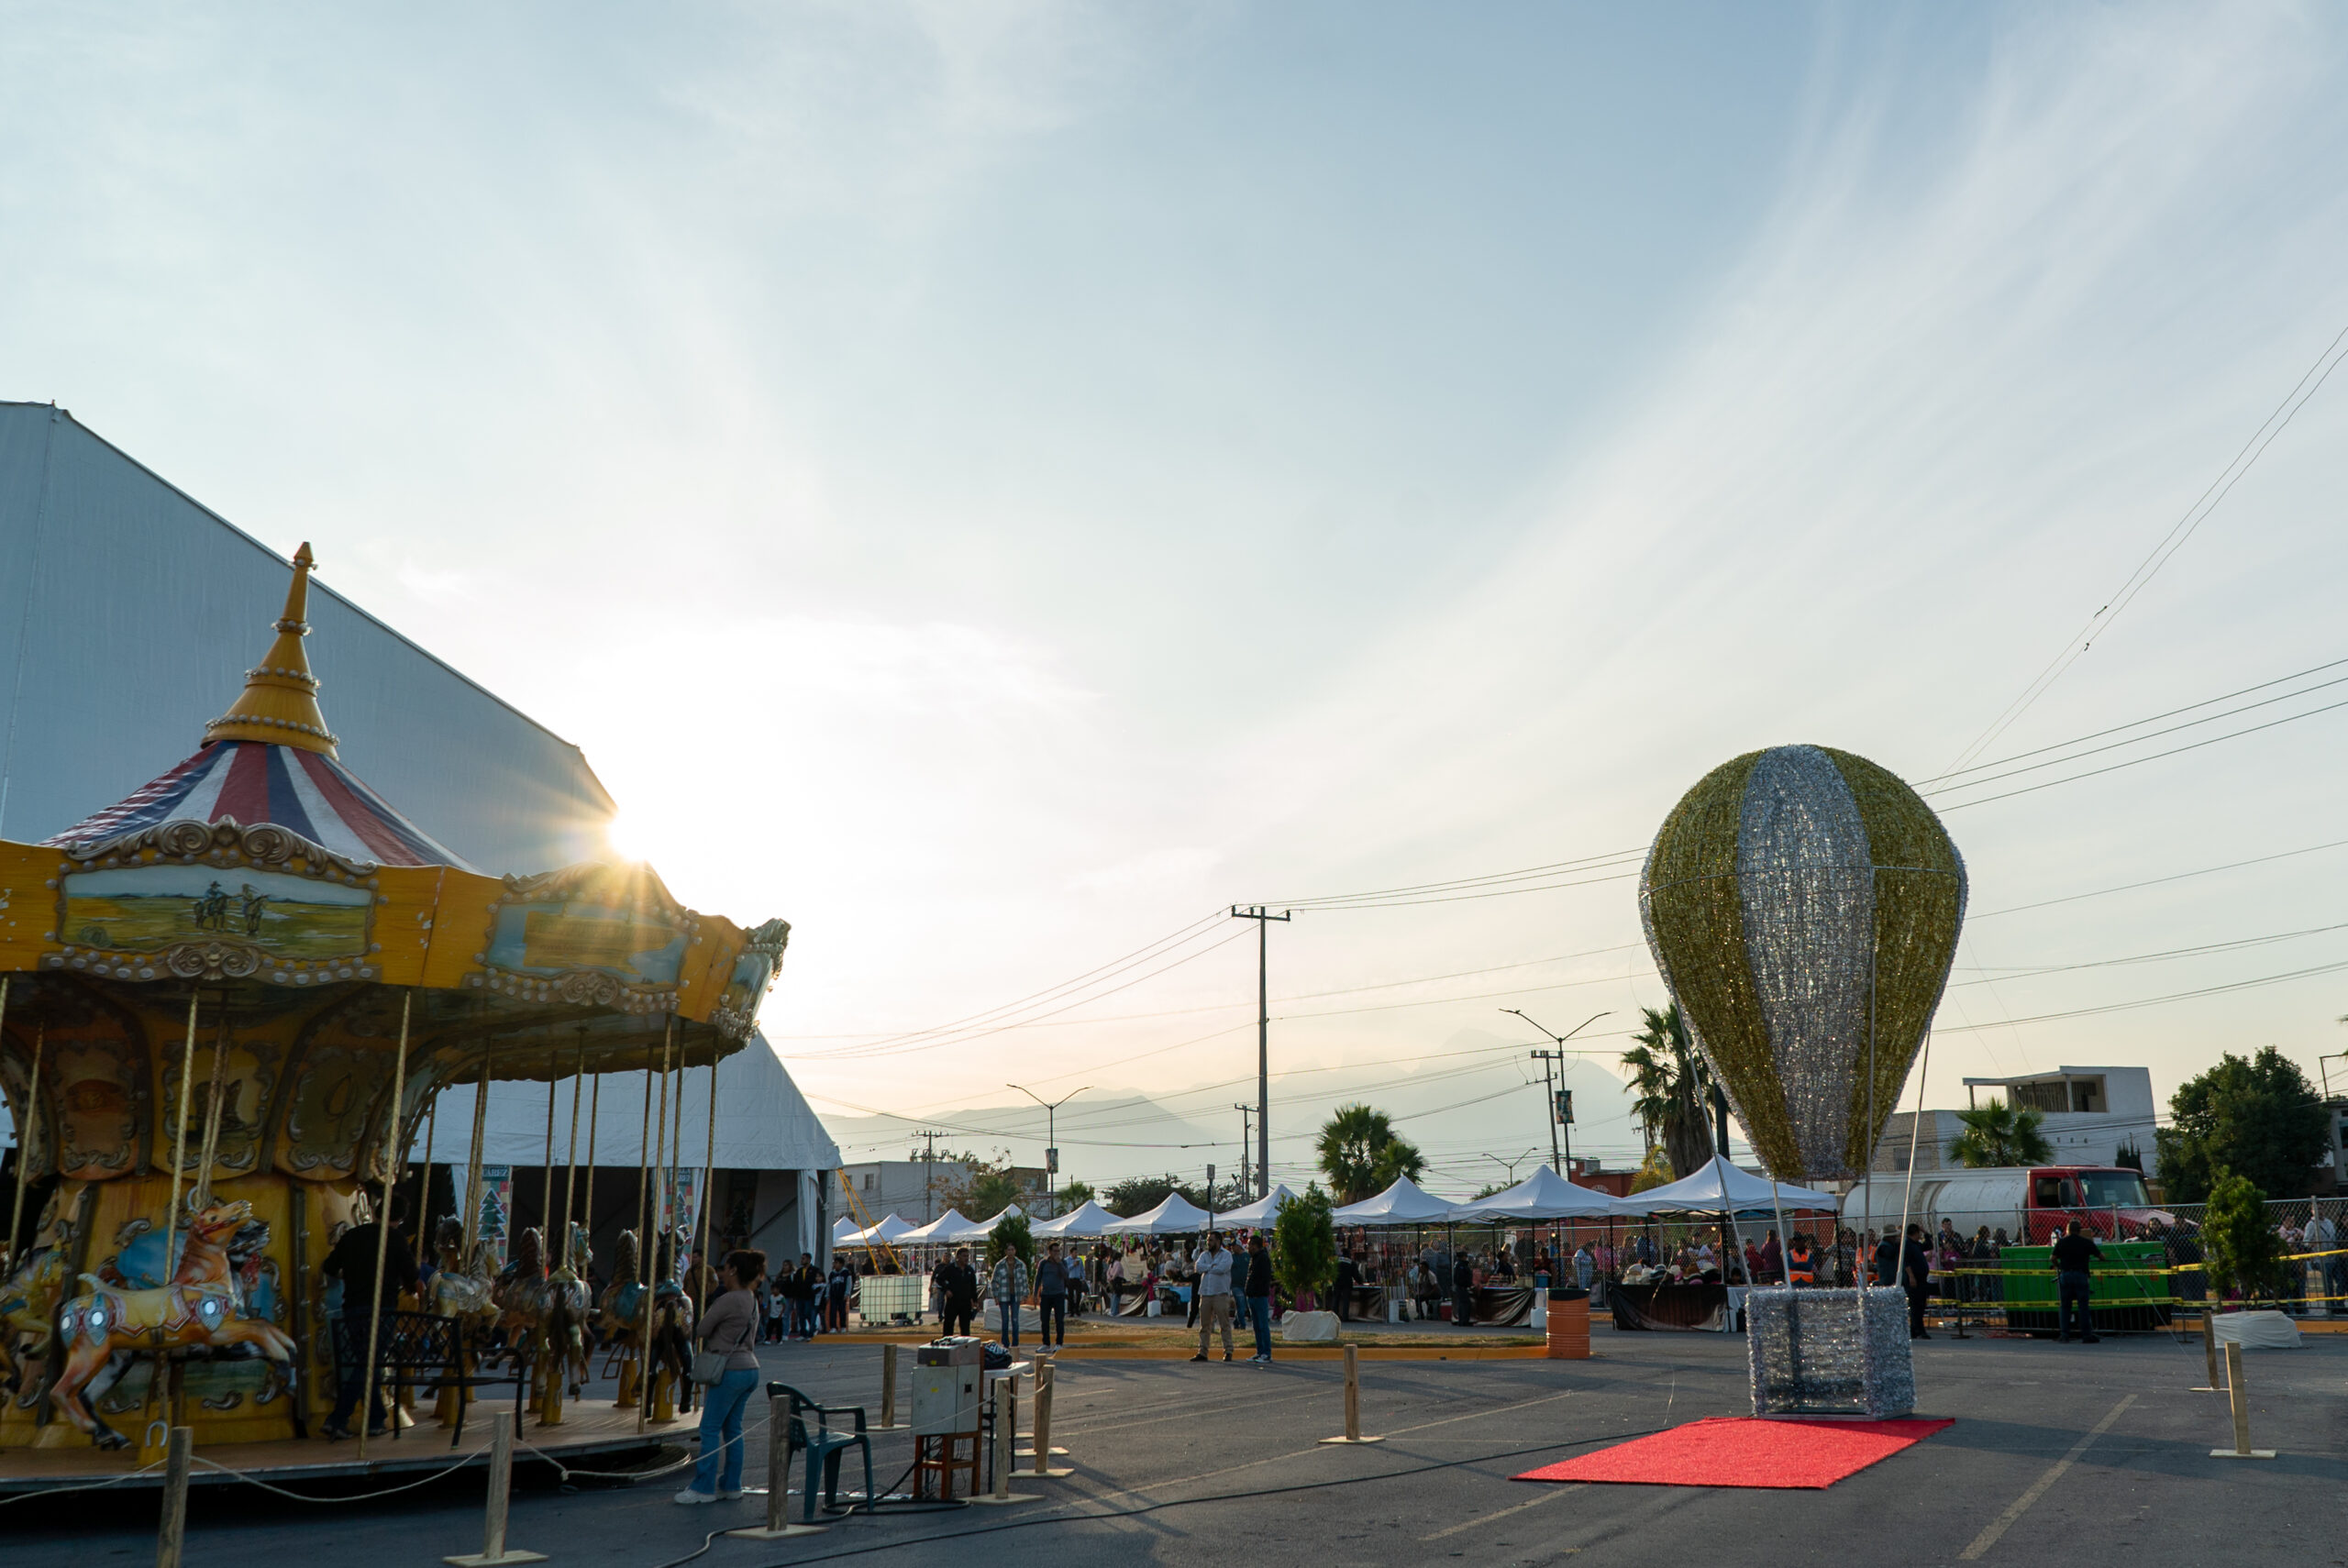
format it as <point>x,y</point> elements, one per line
<point>1568,1326</point>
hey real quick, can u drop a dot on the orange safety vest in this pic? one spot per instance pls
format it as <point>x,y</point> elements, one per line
<point>1798,1267</point>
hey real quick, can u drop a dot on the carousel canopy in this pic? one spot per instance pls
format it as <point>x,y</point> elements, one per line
<point>1722,1189</point>
<point>1543,1194</point>
<point>1178,1216</point>
<point>1404,1203</point>
<point>1257,1215</point>
<point>1081,1223</point>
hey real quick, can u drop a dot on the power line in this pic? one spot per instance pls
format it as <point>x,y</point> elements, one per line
<point>2156,881</point>
<point>2025,972</point>
<point>2132,762</point>
<point>2150,1001</point>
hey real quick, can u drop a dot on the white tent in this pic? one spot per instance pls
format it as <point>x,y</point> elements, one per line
<point>888,1230</point>
<point>1257,1215</point>
<point>1404,1203</point>
<point>1081,1223</point>
<point>1721,1189</point>
<point>976,1231</point>
<point>843,1230</point>
<point>1178,1216</point>
<point>1543,1194</point>
<point>946,1227</point>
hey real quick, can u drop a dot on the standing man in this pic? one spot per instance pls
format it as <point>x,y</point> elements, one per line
<point>1463,1290</point>
<point>352,1261</point>
<point>1052,1277</point>
<point>958,1293</point>
<point>2075,1253</point>
<point>1008,1286</point>
<point>1913,1270</point>
<point>1260,1298</point>
<point>1212,1294</point>
<point>1348,1275</point>
<point>837,1286</point>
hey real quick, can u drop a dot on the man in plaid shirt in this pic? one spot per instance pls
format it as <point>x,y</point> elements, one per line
<point>1008,1284</point>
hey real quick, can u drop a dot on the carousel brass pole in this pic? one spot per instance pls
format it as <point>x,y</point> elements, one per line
<point>545,1204</point>
<point>594,1113</point>
<point>676,1169</point>
<point>571,1164</point>
<point>643,1233</point>
<point>652,1253</point>
<point>203,1195</point>
<point>424,1167</point>
<point>708,1165</point>
<point>391,1151</point>
<point>24,1141</point>
<point>472,1161</point>
<point>179,1136</point>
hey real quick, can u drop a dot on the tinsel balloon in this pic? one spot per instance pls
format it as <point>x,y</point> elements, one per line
<point>1803,906</point>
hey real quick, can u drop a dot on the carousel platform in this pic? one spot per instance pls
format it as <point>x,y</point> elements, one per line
<point>596,1437</point>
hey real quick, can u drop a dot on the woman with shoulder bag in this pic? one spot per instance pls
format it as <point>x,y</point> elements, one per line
<point>726,1367</point>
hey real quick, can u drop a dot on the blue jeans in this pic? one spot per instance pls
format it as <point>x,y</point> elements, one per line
<point>1049,1308</point>
<point>721,1432</point>
<point>2073,1289</point>
<point>1008,1313</point>
<point>1259,1315</point>
<point>804,1313</point>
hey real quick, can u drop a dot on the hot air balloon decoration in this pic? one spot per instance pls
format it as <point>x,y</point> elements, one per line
<point>1803,906</point>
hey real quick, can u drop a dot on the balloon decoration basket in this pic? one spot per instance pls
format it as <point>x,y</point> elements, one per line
<point>1829,1353</point>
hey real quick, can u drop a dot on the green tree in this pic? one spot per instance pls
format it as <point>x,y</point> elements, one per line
<point>1139,1194</point>
<point>2258,1119</point>
<point>2244,1249</point>
<point>1304,1244</point>
<point>1671,1090</point>
<point>1074,1196</point>
<point>1362,1154</point>
<point>2131,1154</point>
<point>1654,1170</point>
<point>986,1194</point>
<point>1011,1236</point>
<point>1998,1135</point>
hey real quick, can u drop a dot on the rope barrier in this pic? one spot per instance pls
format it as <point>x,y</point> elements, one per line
<point>249,1479</point>
<point>83,1486</point>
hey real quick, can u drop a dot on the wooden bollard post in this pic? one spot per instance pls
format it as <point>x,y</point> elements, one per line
<point>1006,1421</point>
<point>2209,1352</point>
<point>1353,1402</point>
<point>1041,1460</point>
<point>2239,1397</point>
<point>779,1526</point>
<point>888,1389</point>
<point>171,1534</point>
<point>494,1549</point>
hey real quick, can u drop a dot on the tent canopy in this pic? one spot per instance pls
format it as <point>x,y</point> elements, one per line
<point>979,1230</point>
<point>844,1230</point>
<point>1083,1222</point>
<point>1257,1215</point>
<point>888,1230</point>
<point>1720,1188</point>
<point>946,1227</point>
<point>1404,1203</point>
<point>1178,1216</point>
<point>1543,1194</point>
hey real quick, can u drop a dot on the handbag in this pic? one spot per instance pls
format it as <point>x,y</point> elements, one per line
<point>709,1365</point>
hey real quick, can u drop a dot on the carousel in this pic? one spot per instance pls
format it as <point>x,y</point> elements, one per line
<point>226,1005</point>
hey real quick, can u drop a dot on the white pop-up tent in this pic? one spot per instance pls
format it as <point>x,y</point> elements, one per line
<point>1721,1187</point>
<point>843,1230</point>
<point>1404,1203</point>
<point>1543,1194</point>
<point>1257,1215</point>
<point>1081,1223</point>
<point>976,1231</point>
<point>890,1229</point>
<point>1178,1216</point>
<point>946,1228</point>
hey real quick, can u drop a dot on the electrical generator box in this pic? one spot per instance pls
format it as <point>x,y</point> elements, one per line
<point>947,1376</point>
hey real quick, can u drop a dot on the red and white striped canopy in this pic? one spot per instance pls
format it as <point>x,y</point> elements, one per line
<point>254,782</point>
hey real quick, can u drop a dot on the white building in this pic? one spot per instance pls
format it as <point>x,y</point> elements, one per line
<point>2092,1113</point>
<point>918,1191</point>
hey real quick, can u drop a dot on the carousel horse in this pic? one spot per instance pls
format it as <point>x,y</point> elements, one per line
<point>544,1315</point>
<point>456,1292</point>
<point>619,1317</point>
<point>671,1347</point>
<point>201,1308</point>
<point>571,1306</point>
<point>519,1293</point>
<point>27,1309</point>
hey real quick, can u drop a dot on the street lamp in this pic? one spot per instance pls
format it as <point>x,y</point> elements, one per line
<point>1559,1109</point>
<point>1051,1138</point>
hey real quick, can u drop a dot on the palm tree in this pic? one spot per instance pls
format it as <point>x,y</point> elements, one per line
<point>1362,1155</point>
<point>1672,1089</point>
<point>1997,1135</point>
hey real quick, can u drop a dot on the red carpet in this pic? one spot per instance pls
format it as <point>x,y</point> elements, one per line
<point>1743,1452</point>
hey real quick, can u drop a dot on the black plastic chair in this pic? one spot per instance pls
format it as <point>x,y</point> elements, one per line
<point>822,1446</point>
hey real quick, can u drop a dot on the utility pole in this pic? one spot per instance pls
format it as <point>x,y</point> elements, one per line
<point>1553,1063</point>
<point>1247,1113</point>
<point>1263,918</point>
<point>1051,1139</point>
<point>928,1178</point>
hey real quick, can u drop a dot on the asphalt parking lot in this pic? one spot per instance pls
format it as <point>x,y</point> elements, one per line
<point>2075,1456</point>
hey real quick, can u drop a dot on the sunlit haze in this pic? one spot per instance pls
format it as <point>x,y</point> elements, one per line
<point>997,485</point>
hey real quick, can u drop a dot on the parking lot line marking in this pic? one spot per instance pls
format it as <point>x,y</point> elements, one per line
<point>1550,1496</point>
<point>2003,1522</point>
<point>1477,1415</point>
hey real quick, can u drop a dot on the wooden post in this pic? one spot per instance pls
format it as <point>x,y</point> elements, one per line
<point>888,1389</point>
<point>2209,1352</point>
<point>2239,1397</point>
<point>1042,1457</point>
<point>779,1526</point>
<point>1006,1421</point>
<point>171,1534</point>
<point>494,1552</point>
<point>1353,1402</point>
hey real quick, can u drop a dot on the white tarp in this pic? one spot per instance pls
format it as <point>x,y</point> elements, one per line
<point>764,1124</point>
<point>1543,1194</point>
<point>1081,1223</point>
<point>1721,1187</point>
<point>1178,1216</point>
<point>1404,1203</point>
<point>2258,1330</point>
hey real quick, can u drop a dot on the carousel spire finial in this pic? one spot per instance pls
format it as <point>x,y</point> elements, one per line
<point>280,702</point>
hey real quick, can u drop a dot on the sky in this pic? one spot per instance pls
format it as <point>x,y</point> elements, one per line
<point>998,484</point>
